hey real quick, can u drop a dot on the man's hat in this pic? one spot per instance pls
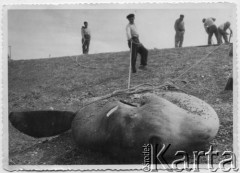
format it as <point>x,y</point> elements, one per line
<point>130,16</point>
<point>228,23</point>
<point>181,15</point>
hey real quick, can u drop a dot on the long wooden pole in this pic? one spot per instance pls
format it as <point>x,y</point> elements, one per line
<point>130,67</point>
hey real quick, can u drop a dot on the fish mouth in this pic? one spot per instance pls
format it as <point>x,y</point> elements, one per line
<point>127,103</point>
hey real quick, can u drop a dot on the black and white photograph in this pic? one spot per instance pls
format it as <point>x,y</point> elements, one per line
<point>146,86</point>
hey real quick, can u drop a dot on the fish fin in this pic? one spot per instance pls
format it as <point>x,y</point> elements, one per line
<point>42,123</point>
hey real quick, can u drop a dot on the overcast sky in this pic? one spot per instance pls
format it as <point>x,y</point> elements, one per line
<point>38,33</point>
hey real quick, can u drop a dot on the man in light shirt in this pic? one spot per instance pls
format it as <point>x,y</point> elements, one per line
<point>222,31</point>
<point>211,29</point>
<point>86,36</point>
<point>180,30</point>
<point>135,45</point>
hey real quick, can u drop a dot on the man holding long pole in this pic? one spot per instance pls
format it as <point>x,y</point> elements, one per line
<point>135,45</point>
<point>222,31</point>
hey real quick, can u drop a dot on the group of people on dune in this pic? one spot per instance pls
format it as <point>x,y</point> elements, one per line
<point>137,47</point>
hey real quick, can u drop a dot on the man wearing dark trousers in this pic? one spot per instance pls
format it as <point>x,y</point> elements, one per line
<point>211,29</point>
<point>180,30</point>
<point>135,45</point>
<point>86,36</point>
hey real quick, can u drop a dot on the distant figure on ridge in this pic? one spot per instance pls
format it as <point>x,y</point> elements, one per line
<point>135,45</point>
<point>180,30</point>
<point>222,31</point>
<point>211,29</point>
<point>86,36</point>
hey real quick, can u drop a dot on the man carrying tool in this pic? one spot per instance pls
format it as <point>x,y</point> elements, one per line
<point>222,31</point>
<point>211,29</point>
<point>86,36</point>
<point>135,45</point>
<point>180,30</point>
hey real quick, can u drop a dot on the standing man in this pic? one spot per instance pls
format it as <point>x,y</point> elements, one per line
<point>135,45</point>
<point>211,29</point>
<point>222,31</point>
<point>86,36</point>
<point>180,30</point>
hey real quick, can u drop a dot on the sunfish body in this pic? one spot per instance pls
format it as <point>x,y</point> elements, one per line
<point>183,121</point>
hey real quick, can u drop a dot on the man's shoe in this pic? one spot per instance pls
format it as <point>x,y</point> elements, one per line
<point>142,67</point>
